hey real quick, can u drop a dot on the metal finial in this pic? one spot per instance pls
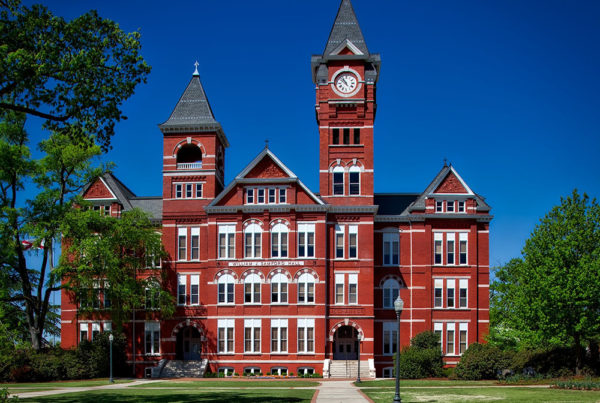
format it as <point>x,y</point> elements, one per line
<point>196,70</point>
<point>445,162</point>
<point>266,143</point>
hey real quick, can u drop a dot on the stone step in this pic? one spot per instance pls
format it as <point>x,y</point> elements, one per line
<point>348,369</point>
<point>187,369</point>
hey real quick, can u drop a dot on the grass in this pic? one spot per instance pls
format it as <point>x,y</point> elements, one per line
<point>229,384</point>
<point>62,384</point>
<point>391,383</point>
<point>131,395</point>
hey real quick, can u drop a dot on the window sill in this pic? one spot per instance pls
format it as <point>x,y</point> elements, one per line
<point>152,354</point>
<point>228,353</point>
<point>312,353</point>
<point>280,353</point>
<point>253,353</point>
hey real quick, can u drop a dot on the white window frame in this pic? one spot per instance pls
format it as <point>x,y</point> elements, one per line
<point>391,249</point>
<point>438,238</point>
<point>438,284</point>
<point>84,332</point>
<point>253,241</point>
<point>278,290</point>
<point>179,190</point>
<point>438,328</point>
<point>96,330</point>
<point>226,280</point>
<point>182,244</point>
<point>390,338</point>
<point>450,206</point>
<point>450,338</point>
<point>277,244</point>
<point>340,279</point>
<point>154,329</point>
<point>306,229</point>
<point>450,293</point>
<point>352,239</point>
<point>181,282</point>
<point>226,325</point>
<point>461,206</point>
<point>195,282</point>
<point>463,237</point>
<point>303,325</point>
<point>305,280</point>
<point>260,195</point>
<point>338,170</point>
<point>339,241</point>
<point>189,190</point>
<point>250,196</point>
<point>463,284</point>
<point>228,232</point>
<point>107,327</point>
<point>352,289</point>
<point>254,282</point>
<point>271,195</point>
<point>354,169</point>
<point>252,324</point>
<point>282,195</point>
<point>463,327</point>
<point>199,191</point>
<point>195,235</point>
<point>439,206</point>
<point>280,337</point>
<point>451,248</point>
<point>391,290</point>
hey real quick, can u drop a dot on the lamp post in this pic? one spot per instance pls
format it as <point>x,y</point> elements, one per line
<point>398,306</point>
<point>358,374</point>
<point>110,339</point>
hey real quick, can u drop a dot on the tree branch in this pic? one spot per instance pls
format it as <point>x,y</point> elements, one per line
<point>18,108</point>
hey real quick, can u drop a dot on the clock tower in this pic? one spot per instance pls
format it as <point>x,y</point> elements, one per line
<point>345,76</point>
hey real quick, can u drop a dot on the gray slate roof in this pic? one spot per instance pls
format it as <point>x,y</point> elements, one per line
<point>394,203</point>
<point>345,27</point>
<point>151,205</point>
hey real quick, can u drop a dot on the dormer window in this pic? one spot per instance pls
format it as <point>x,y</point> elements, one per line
<point>439,206</point>
<point>261,196</point>
<point>189,156</point>
<point>271,195</point>
<point>461,206</point>
<point>450,206</point>
<point>266,195</point>
<point>282,195</point>
<point>249,196</point>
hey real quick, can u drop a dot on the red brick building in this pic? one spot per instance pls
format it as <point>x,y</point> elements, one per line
<point>271,277</point>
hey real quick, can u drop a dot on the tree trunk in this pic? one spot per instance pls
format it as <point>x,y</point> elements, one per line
<point>595,356</point>
<point>579,354</point>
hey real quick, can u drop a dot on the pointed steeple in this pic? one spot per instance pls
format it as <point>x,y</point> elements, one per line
<point>345,28</point>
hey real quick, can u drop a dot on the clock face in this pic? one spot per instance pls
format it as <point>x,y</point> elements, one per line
<point>346,83</point>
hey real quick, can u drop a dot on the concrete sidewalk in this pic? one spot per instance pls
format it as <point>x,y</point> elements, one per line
<point>339,392</point>
<point>82,389</point>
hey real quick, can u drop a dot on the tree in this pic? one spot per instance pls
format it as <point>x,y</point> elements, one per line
<point>73,74</point>
<point>119,256</point>
<point>551,295</point>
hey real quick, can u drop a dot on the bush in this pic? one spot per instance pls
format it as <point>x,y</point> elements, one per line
<point>482,361</point>
<point>423,359</point>
<point>426,340</point>
<point>550,362</point>
<point>584,384</point>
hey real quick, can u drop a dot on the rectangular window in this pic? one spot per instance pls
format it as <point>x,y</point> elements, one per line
<point>463,286</point>
<point>188,190</point>
<point>450,206</point>
<point>462,248</point>
<point>306,240</point>
<point>225,332</point>
<point>438,292</point>
<point>461,206</point>
<point>178,191</point>
<point>95,330</point>
<point>450,283</point>
<point>107,210</point>
<point>272,195</point>
<point>261,196</point>
<point>346,135</point>
<point>279,241</point>
<point>390,338</point>
<point>391,248</point>
<point>252,292</point>
<point>97,299</point>
<point>107,327</point>
<point>252,240</point>
<point>439,206</point>
<point>437,248</point>
<point>339,241</point>
<point>339,288</point>
<point>152,298</point>
<point>252,335</point>
<point>194,289</point>
<point>181,244</point>
<point>152,330</point>
<point>352,241</point>
<point>195,244</point>
<point>83,331</point>
<point>226,241</point>
<point>338,181</point>
<point>181,288</point>
<point>225,290</point>
<point>450,248</point>
<point>335,134</point>
<point>250,196</point>
<point>198,190</point>
<point>438,329</point>
<point>282,195</point>
<point>106,294</point>
<point>352,288</point>
<point>450,339</point>
<point>354,181</point>
<point>279,292</point>
<point>279,335</point>
<point>462,338</point>
<point>306,335</point>
<point>356,136</point>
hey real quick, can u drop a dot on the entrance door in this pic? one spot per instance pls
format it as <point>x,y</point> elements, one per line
<point>346,344</point>
<point>192,346</point>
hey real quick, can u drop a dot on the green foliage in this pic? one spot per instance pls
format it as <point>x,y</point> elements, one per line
<point>551,296</point>
<point>482,361</point>
<point>425,341</point>
<point>423,359</point>
<point>73,74</point>
<point>549,362</point>
<point>583,384</point>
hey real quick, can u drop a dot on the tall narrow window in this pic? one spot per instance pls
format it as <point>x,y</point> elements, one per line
<point>306,288</point>
<point>198,190</point>
<point>353,241</point>
<point>390,338</point>
<point>261,196</point>
<point>450,206</point>
<point>437,248</point>
<point>339,241</point>
<point>306,335</point>
<point>178,191</point>
<point>188,190</point>
<point>463,286</point>
<point>181,244</point>
<point>194,289</point>
<point>338,180</point>
<point>252,241</point>
<point>354,174</point>
<point>438,293</point>
<point>462,248</point>
<point>352,288</point>
<point>279,289</point>
<point>335,134</point>
<point>282,195</point>
<point>152,295</point>
<point>95,330</point>
<point>391,254</point>
<point>249,196</point>
<point>306,240</point>
<point>279,240</point>
<point>252,289</point>
<point>438,329</point>
<point>106,294</point>
<point>252,335</point>
<point>226,241</point>
<point>450,292</point>
<point>152,330</point>
<point>356,135</point>
<point>450,339</point>
<point>181,288</point>
<point>272,195</point>
<point>346,135</point>
<point>279,335</point>
<point>462,338</point>
<point>225,332</point>
<point>439,206</point>
<point>83,331</point>
<point>391,289</point>
<point>461,207</point>
<point>450,248</point>
<point>195,244</point>
<point>225,289</point>
<point>339,288</point>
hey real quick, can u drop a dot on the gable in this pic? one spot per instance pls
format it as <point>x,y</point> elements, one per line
<point>451,184</point>
<point>99,190</point>
<point>267,168</point>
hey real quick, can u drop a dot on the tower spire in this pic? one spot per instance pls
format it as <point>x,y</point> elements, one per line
<point>345,28</point>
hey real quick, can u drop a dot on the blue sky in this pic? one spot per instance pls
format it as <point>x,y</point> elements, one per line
<point>508,91</point>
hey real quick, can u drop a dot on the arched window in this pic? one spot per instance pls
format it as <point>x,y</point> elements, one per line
<point>226,283</point>
<point>338,180</point>
<point>391,288</point>
<point>354,173</point>
<point>252,289</point>
<point>306,288</point>
<point>279,240</point>
<point>279,289</point>
<point>189,156</point>
<point>252,241</point>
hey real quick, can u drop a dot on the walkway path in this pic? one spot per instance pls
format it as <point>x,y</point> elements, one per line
<point>81,389</point>
<point>339,392</point>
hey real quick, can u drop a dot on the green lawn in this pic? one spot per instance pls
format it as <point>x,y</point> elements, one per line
<point>39,386</point>
<point>131,395</point>
<point>391,383</point>
<point>234,383</point>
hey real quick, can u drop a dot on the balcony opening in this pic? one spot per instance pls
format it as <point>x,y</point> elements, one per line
<point>189,157</point>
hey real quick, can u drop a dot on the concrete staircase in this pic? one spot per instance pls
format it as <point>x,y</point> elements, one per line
<point>184,369</point>
<point>348,369</point>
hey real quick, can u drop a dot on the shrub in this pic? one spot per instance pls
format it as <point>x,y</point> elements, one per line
<point>417,363</point>
<point>550,362</point>
<point>482,361</point>
<point>426,340</point>
<point>584,384</point>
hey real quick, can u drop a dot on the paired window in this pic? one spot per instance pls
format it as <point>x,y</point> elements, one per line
<point>279,335</point>
<point>306,288</point>
<point>182,291</point>
<point>152,338</point>
<point>391,249</point>
<point>451,297</point>
<point>354,180</point>
<point>306,240</point>
<point>225,286</point>
<point>340,280</point>
<point>227,241</point>
<point>454,340</point>
<point>252,285</point>
<point>97,328</point>
<point>103,210</point>
<point>306,335</point>
<point>340,237</point>
<point>225,334</point>
<point>252,335</point>
<point>266,195</point>
<point>96,298</point>
<point>451,248</point>
<point>279,240</point>
<point>188,190</point>
<point>279,289</point>
<point>390,338</point>
<point>252,241</point>
<point>391,289</point>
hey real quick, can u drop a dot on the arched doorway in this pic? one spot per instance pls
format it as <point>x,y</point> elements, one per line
<point>189,344</point>
<point>345,343</point>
